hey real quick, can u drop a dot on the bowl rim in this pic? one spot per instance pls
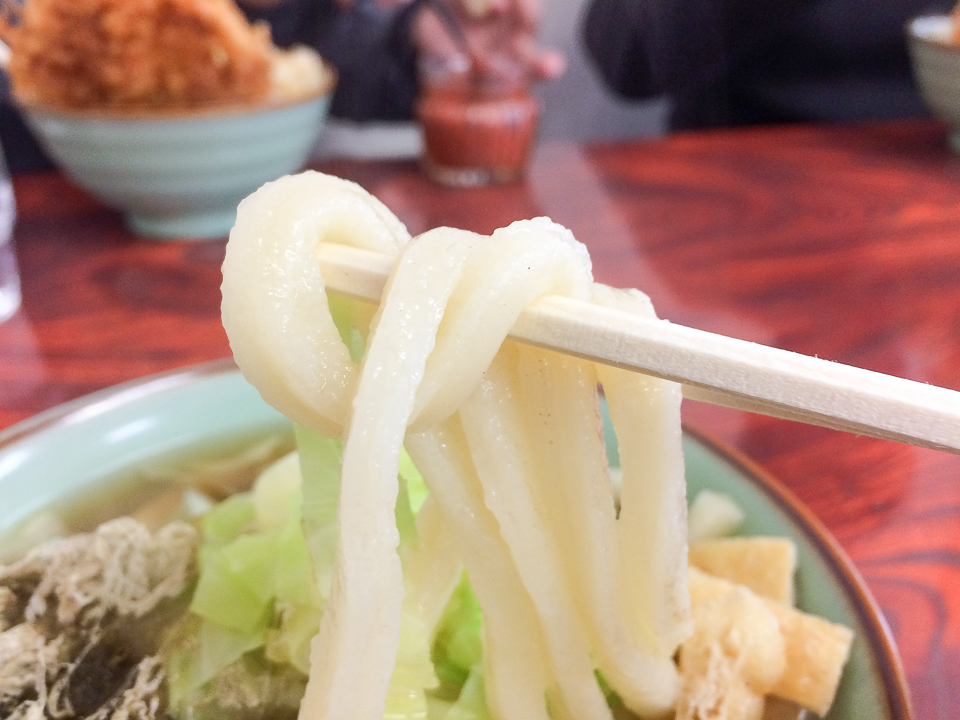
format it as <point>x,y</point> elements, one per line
<point>108,397</point>
<point>204,112</point>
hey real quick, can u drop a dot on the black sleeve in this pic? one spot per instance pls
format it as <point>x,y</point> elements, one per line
<point>687,50</point>
<point>369,46</point>
<point>614,36</point>
<point>374,56</point>
<point>21,149</point>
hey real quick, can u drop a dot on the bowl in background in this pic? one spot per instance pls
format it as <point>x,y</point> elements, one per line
<point>935,56</point>
<point>181,175</point>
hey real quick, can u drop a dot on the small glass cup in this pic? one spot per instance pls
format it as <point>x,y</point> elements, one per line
<point>478,126</point>
<point>9,275</point>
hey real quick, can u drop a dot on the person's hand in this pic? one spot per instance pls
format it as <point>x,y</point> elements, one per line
<point>493,35</point>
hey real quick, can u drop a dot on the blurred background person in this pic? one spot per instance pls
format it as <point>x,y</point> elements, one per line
<point>376,46</point>
<point>373,44</point>
<point>736,62</point>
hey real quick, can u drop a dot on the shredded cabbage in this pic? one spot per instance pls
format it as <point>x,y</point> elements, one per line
<point>458,644</point>
<point>472,702</point>
<point>257,593</point>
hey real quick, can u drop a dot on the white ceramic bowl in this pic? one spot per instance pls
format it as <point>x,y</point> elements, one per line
<point>180,176</point>
<point>936,68</point>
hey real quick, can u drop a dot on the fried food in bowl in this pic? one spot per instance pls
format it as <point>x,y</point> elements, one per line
<point>171,111</point>
<point>149,54</point>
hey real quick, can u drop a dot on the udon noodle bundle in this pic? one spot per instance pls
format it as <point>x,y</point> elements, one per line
<point>509,438</point>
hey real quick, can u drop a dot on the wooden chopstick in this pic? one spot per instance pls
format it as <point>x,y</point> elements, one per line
<point>712,368</point>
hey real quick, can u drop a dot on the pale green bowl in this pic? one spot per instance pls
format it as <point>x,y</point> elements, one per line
<point>166,423</point>
<point>180,176</point>
<point>935,58</point>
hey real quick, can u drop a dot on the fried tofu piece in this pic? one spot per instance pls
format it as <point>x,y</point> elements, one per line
<point>816,653</point>
<point>816,649</point>
<point>735,656</point>
<point>766,565</point>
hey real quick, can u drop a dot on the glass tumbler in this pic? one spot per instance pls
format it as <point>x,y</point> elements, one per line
<point>478,126</point>
<point>9,275</point>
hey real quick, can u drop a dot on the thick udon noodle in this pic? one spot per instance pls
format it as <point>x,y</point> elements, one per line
<point>508,438</point>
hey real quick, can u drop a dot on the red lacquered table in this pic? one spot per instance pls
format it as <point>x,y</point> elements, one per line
<point>841,242</point>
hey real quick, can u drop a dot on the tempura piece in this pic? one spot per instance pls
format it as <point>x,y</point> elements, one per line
<point>82,619</point>
<point>120,569</point>
<point>137,54</point>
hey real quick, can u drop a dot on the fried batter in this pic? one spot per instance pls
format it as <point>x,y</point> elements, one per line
<point>137,54</point>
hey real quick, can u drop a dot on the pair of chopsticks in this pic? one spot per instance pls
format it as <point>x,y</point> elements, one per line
<point>712,368</point>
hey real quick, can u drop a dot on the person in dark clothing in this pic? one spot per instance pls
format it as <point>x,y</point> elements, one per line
<point>374,46</point>
<point>21,150</point>
<point>741,62</point>
<point>371,46</point>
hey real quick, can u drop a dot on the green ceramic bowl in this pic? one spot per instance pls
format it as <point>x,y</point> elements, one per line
<point>180,176</point>
<point>155,426</point>
<point>935,58</point>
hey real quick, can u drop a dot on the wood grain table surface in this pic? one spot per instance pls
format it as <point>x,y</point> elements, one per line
<point>840,241</point>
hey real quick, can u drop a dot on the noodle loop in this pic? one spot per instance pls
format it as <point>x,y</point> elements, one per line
<point>509,440</point>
